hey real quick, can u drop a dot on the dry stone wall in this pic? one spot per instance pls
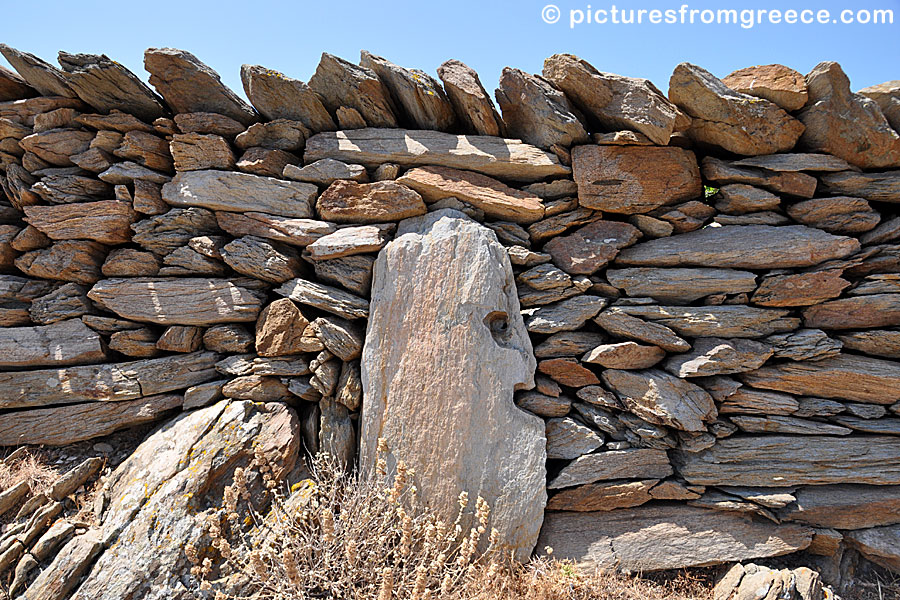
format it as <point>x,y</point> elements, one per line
<point>697,292</point>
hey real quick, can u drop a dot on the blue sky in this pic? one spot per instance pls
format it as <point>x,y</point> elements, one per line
<point>485,34</point>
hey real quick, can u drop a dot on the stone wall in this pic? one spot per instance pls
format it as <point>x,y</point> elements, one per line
<point>709,282</point>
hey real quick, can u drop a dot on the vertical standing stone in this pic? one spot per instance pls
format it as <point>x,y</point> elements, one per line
<point>445,349</point>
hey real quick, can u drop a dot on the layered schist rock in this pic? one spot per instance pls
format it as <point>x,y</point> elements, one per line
<point>444,266</point>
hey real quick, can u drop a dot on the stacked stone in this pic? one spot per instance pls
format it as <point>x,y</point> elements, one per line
<point>709,280</point>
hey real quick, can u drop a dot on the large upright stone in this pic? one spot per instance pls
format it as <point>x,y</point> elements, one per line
<point>106,85</point>
<point>474,110</point>
<point>39,74</point>
<point>776,83</point>
<point>494,156</point>
<point>845,124</point>
<point>445,349</point>
<point>887,96</point>
<point>13,87</point>
<point>188,85</point>
<point>341,84</point>
<point>728,119</point>
<point>276,96</point>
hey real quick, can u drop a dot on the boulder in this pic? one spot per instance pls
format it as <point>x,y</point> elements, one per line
<point>341,84</point>
<point>536,112</point>
<point>494,198</point>
<point>184,301</point>
<point>240,192</point>
<point>887,96</point>
<point>188,85</point>
<point>666,536</point>
<point>474,109</point>
<point>384,201</point>
<point>631,180</point>
<point>613,101</point>
<point>775,83</point>
<point>445,264</point>
<point>730,120</point>
<point>277,96</point>
<point>494,156</point>
<point>420,98</point>
<point>847,125</point>
<point>742,247</point>
<point>844,377</point>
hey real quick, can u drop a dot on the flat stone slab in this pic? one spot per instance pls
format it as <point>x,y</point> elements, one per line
<point>659,537</point>
<point>241,192</point>
<point>445,349</point>
<point>494,156</point>
<point>69,342</point>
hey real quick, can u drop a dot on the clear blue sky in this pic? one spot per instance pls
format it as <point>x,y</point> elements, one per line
<point>485,34</point>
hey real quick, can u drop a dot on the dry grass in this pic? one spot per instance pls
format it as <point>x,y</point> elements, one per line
<point>336,536</point>
<point>30,466</point>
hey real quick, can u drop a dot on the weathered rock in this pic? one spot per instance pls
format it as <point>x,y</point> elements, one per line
<point>56,146</point>
<point>660,398</point>
<point>568,372</point>
<point>342,338</point>
<point>13,87</point>
<point>188,85</point>
<point>845,506</point>
<point>742,247</point>
<point>257,388</point>
<point>351,272</point>
<point>847,125</point>
<point>497,157</point>
<point>567,315</point>
<point>775,83</point>
<point>64,343</point>
<point>206,122</point>
<point>879,545</point>
<point>629,180</point>
<point>841,214</point>
<point>603,497</point>
<point>76,261</point>
<point>747,401</point>
<point>717,321</point>
<point>127,262</point>
<point>349,241</point>
<point>517,499</point>
<point>277,96</point>
<point>728,119</point>
<point>617,464</point>
<point>716,356</point>
<point>887,96</point>
<point>298,232</point>
<point>107,85</point>
<point>130,172</point>
<point>591,247</point>
<point>801,289</point>
<point>803,344</point>
<point>327,171</point>
<point>148,198</point>
<point>227,338</point>
<point>40,75</point>
<point>569,343</point>
<point>875,342</point>
<point>876,187</point>
<point>719,172</point>
<point>474,110</point>
<point>340,83</point>
<point>568,439</point>
<point>666,537</point>
<point>65,302</point>
<point>198,396</point>
<point>262,259</point>
<point>136,343</point>
<point>280,134</point>
<point>625,355</point>
<point>165,233</point>
<point>680,285</point>
<point>613,101</point>
<point>325,298</point>
<point>52,426</point>
<point>418,96</point>
<point>759,218</point>
<point>740,199</point>
<point>205,446</point>
<point>63,189</point>
<point>186,261</point>
<point>197,151</point>
<point>784,461</point>
<point>240,192</point>
<point>796,162</point>
<point>106,221</point>
<point>536,112</point>
<point>785,424</point>
<point>858,312</point>
<point>380,202</point>
<point>621,324</point>
<point>544,405</point>
<point>188,301</point>
<point>178,338</point>
<point>688,216</point>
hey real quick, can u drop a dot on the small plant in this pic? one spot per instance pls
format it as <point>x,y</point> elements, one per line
<point>709,191</point>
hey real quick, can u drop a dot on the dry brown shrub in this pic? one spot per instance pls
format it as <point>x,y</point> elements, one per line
<point>27,466</point>
<point>342,537</point>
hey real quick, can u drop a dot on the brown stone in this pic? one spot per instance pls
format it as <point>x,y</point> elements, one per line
<point>879,545</point>
<point>489,195</point>
<point>591,247</point>
<point>660,398</point>
<point>621,324</point>
<point>568,439</point>
<point>146,149</point>
<point>350,202</point>
<point>859,312</point>
<point>717,321</point>
<point>680,285</point>
<point>716,356</point>
<point>841,214</point>
<point>339,83</point>
<point>106,221</point>
<point>873,342</point>
<point>776,83</point>
<point>629,180</point>
<point>57,146</point>
<point>205,122</point>
<point>612,465</point>
<point>63,343</point>
<point>801,289</point>
<point>602,497</point>
<point>197,151</point>
<point>277,96</point>
<point>740,199</point>
<point>349,241</point>
<point>474,110</point>
<point>76,261</point>
<point>845,506</point>
<point>625,355</point>
<point>568,372</point>
<point>265,161</point>
<point>240,192</point>
<point>136,343</point>
<point>730,120</point>
<point>719,172</point>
